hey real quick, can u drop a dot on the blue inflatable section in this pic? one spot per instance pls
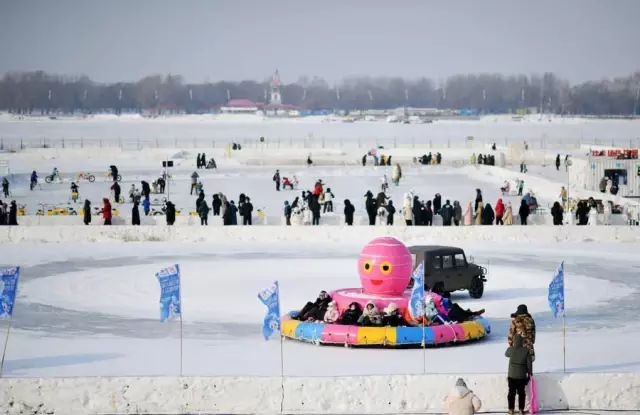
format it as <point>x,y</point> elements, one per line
<point>485,324</point>
<point>414,335</point>
<point>309,331</point>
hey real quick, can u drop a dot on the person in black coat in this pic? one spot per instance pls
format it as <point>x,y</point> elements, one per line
<point>351,315</point>
<point>3,214</point>
<point>391,210</point>
<point>146,189</point>
<point>523,212</point>
<point>349,210</point>
<point>226,217</point>
<point>557,213</point>
<point>315,211</point>
<point>246,212</point>
<point>170,213</point>
<point>13,214</point>
<point>315,311</point>
<point>427,214</point>
<point>87,212</point>
<point>417,211</point>
<point>135,214</point>
<point>371,207</point>
<point>478,199</point>
<point>582,213</point>
<point>437,203</point>
<point>446,212</point>
<point>216,203</point>
<point>488,216</point>
<point>558,162</point>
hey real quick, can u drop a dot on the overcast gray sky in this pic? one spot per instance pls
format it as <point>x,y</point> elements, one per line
<point>112,40</point>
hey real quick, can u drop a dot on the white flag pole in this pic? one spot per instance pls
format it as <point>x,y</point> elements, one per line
<point>4,351</point>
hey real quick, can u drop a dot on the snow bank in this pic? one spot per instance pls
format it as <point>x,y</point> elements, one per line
<point>327,220</point>
<point>315,234</point>
<point>345,395</point>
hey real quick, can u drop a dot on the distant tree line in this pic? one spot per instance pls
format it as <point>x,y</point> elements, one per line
<point>32,92</point>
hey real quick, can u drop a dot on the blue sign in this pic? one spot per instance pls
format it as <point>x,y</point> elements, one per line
<point>416,303</point>
<point>170,298</point>
<point>8,290</point>
<point>556,292</point>
<point>270,297</point>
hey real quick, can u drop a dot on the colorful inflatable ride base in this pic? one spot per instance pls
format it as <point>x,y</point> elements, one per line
<point>384,267</point>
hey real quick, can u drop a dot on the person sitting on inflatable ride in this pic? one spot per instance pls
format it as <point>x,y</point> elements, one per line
<point>392,316</point>
<point>332,315</point>
<point>315,311</point>
<point>351,315</point>
<point>458,315</point>
<point>370,316</point>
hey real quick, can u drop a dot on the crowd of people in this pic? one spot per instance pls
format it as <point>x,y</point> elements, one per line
<point>324,309</point>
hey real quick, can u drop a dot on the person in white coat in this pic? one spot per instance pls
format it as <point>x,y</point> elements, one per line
<point>407,209</point>
<point>384,185</point>
<point>593,216</point>
<point>461,400</point>
<point>396,174</point>
<point>297,218</point>
<point>607,213</point>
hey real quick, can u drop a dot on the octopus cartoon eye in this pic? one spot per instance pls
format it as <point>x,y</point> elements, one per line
<point>367,266</point>
<point>385,268</point>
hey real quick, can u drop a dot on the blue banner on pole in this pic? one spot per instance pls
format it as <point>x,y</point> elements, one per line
<point>170,298</point>
<point>270,297</point>
<point>556,292</point>
<point>8,289</point>
<point>416,303</point>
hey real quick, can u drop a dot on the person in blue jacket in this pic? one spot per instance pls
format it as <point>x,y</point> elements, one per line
<point>146,206</point>
<point>233,213</point>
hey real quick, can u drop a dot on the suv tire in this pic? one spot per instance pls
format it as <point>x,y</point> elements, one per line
<point>476,289</point>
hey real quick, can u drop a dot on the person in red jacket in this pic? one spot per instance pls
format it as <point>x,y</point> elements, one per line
<point>499,212</point>
<point>317,190</point>
<point>106,211</point>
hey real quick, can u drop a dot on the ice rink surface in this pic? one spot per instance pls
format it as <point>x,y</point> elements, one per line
<point>89,310</point>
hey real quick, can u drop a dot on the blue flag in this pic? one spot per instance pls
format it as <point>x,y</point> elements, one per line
<point>8,289</point>
<point>170,298</point>
<point>271,298</point>
<point>556,292</point>
<point>416,303</point>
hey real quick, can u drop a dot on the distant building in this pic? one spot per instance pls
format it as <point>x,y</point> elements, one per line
<point>274,107</point>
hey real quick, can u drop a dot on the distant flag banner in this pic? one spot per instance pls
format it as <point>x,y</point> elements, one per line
<point>416,303</point>
<point>556,292</point>
<point>8,289</point>
<point>270,297</point>
<point>170,298</point>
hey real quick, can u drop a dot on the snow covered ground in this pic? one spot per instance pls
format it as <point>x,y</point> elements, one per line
<point>91,309</point>
<point>204,130</point>
<point>87,310</point>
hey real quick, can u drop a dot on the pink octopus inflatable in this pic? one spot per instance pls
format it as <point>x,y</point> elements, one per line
<point>384,267</point>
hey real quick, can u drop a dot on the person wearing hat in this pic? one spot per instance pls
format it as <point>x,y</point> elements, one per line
<point>461,400</point>
<point>520,371</point>
<point>523,324</point>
